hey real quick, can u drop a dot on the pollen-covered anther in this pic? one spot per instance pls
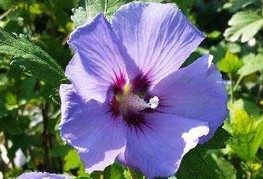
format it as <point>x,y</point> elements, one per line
<point>136,103</point>
<point>154,102</point>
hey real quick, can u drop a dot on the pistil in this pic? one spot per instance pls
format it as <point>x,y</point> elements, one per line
<point>135,103</point>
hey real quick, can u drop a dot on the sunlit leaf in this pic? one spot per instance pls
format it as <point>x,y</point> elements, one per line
<point>214,35</point>
<point>72,160</point>
<point>252,63</point>
<point>35,9</point>
<point>247,134</point>
<point>230,63</point>
<point>228,171</point>
<point>11,101</point>
<point>234,5</point>
<point>244,24</point>
<point>80,16</point>
<point>251,108</point>
<point>31,57</point>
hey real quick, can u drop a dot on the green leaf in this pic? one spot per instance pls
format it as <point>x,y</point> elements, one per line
<point>251,108</point>
<point>3,110</point>
<point>31,57</point>
<point>244,24</point>
<point>247,134</point>
<point>61,150</point>
<point>127,174</point>
<point>218,141</point>
<point>218,51</point>
<point>14,172</point>
<point>230,63</point>
<point>11,101</point>
<point>194,166</point>
<point>35,9</point>
<point>235,5</point>
<point>9,125</point>
<point>55,49</point>
<point>252,63</point>
<point>214,35</point>
<point>114,171</point>
<point>72,160</point>
<point>227,170</point>
<point>7,4</point>
<point>82,15</point>
<point>26,90</point>
<point>185,4</point>
<point>23,141</point>
<point>233,47</point>
<point>114,5</point>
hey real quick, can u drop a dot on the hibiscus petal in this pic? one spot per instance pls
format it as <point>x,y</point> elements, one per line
<point>98,60</point>
<point>40,175</point>
<point>196,92</point>
<point>89,128</point>
<point>157,36</point>
<point>158,150</point>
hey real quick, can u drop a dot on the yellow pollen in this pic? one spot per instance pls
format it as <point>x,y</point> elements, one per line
<point>127,89</point>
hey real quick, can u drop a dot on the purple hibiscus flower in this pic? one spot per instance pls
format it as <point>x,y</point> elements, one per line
<point>129,101</point>
<point>44,175</point>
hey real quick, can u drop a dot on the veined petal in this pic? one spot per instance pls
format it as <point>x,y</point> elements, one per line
<point>195,92</point>
<point>99,59</point>
<point>158,37</point>
<point>41,175</point>
<point>158,150</point>
<point>89,128</point>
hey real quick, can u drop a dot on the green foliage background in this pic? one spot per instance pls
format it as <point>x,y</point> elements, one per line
<point>34,54</point>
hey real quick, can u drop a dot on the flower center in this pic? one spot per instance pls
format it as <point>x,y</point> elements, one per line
<point>133,102</point>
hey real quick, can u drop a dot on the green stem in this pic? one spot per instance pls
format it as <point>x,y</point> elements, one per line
<point>6,13</point>
<point>231,87</point>
<point>111,5</point>
<point>46,139</point>
<point>259,93</point>
<point>86,5</point>
<point>237,83</point>
<point>248,175</point>
<point>106,7</point>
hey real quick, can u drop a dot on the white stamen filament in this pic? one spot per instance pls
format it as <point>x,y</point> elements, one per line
<point>138,104</point>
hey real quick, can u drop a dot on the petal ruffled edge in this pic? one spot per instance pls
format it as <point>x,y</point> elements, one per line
<point>197,92</point>
<point>100,59</point>
<point>158,37</point>
<point>40,175</point>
